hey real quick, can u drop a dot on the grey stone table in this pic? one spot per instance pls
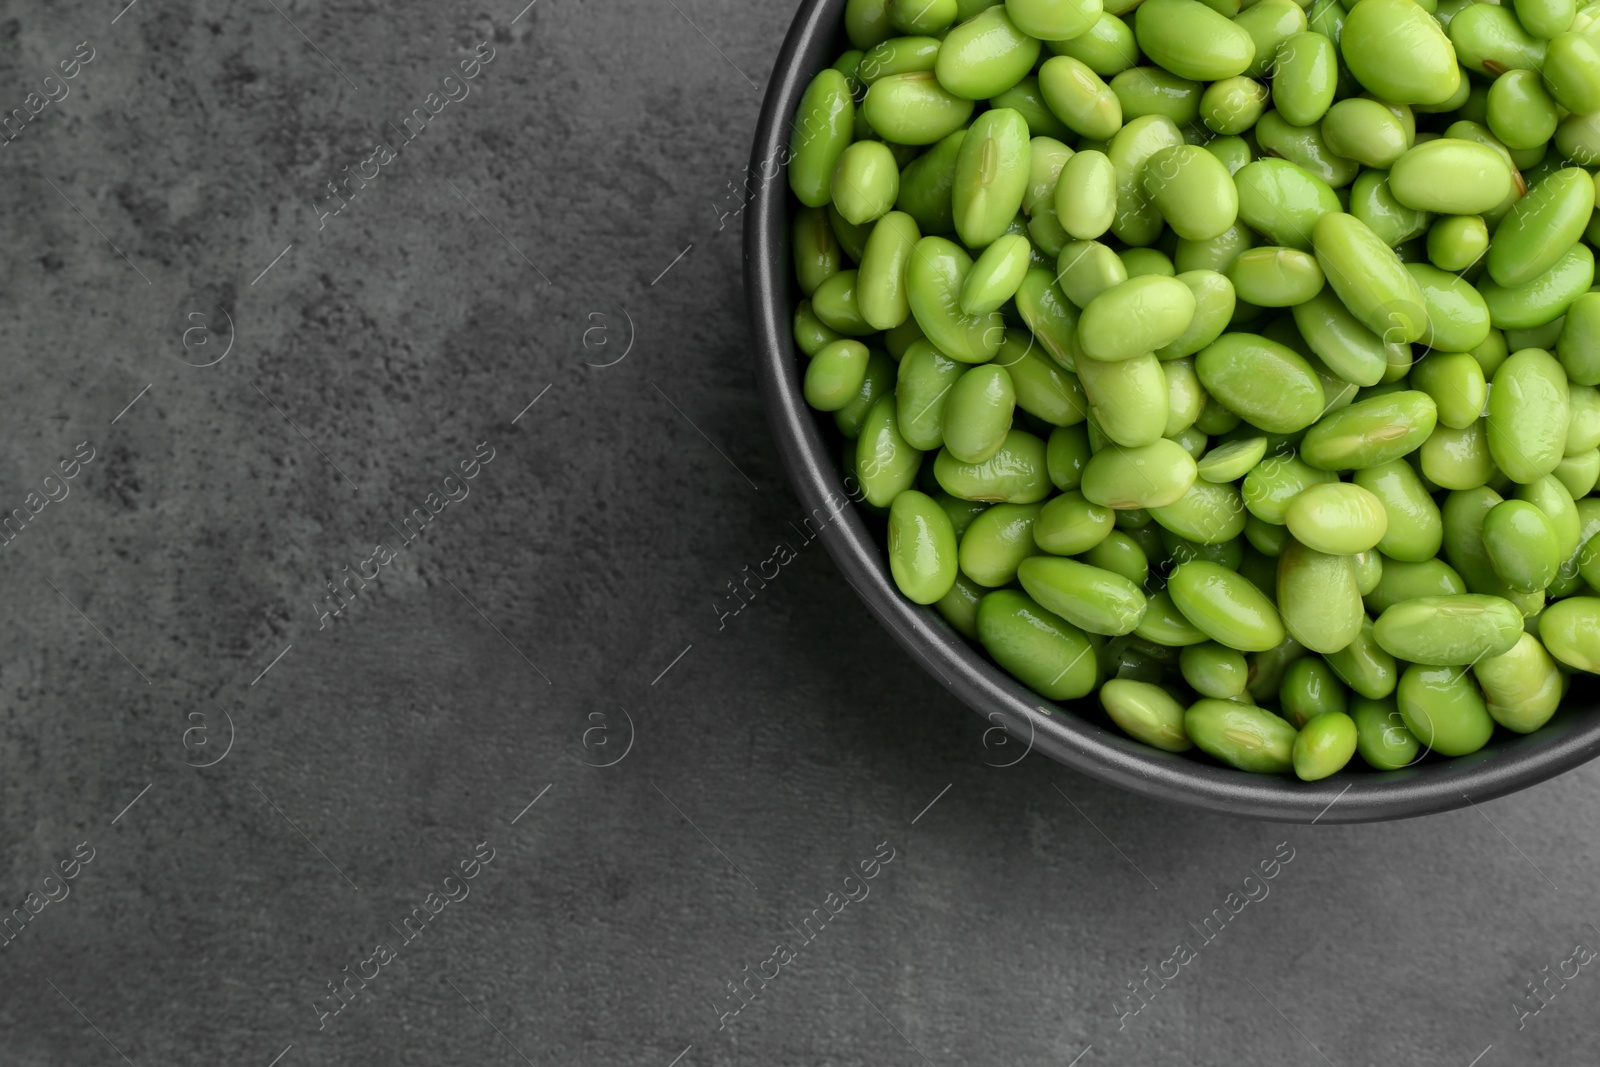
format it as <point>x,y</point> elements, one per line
<point>495,384</point>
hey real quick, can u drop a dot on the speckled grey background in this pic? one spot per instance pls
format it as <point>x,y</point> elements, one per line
<point>566,236</point>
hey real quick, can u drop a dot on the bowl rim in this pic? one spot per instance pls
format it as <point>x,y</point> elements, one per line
<point>1060,731</point>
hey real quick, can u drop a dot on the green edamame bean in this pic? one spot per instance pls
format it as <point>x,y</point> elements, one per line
<point>1119,553</point>
<point>1233,105</point>
<point>837,305</point>
<point>1163,624</point>
<point>881,282</point>
<point>1233,460</point>
<point>1403,581</point>
<point>1127,398</point>
<point>1527,415</point>
<point>912,107</point>
<point>1146,713</point>
<point>1192,190</point>
<point>1274,276</point>
<point>1043,651</point>
<point>922,547</point>
<point>1241,735</point>
<point>1269,24</point>
<point>1310,689</point>
<point>879,381</point>
<point>921,16</point>
<point>1051,317</point>
<point>1522,545</point>
<point>1399,53</point>
<point>1583,425</point>
<point>1272,484</point>
<point>1415,529</point>
<point>1451,176</point>
<point>1570,630</point>
<point>1079,98</point>
<point>1092,598</point>
<point>1107,47</point>
<point>817,255</point>
<point>985,56</point>
<point>1455,381</point>
<point>1365,131</point>
<point>1443,708</point>
<point>1224,606</point>
<point>1266,383</point>
<point>1375,206</point>
<point>1551,497</point>
<point>1493,41</point>
<point>1135,317</point>
<point>866,22</point>
<point>1368,566</point>
<point>1070,525</point>
<point>1016,474</point>
<point>865,182</point>
<point>1579,473</point>
<point>959,607</point>
<point>886,464</point>
<point>1449,630</point>
<point>996,276</point>
<point>926,184</point>
<point>1153,91</point>
<point>960,512</point>
<point>1579,343</point>
<point>1350,350</point>
<point>834,375</point>
<point>823,127</point>
<point>1457,459</point>
<point>1086,269</point>
<point>1267,668</point>
<point>978,412</point>
<point>1192,41</point>
<point>1305,78</point>
<point>1457,317</point>
<point>811,334</point>
<point>1456,242</point>
<point>1028,100</point>
<point>1208,514</point>
<point>1522,687</point>
<point>1214,671</point>
<point>1043,389</point>
<point>1339,518</point>
<point>997,542</point>
<point>1318,597</point>
<point>1214,305</point>
<point>1066,455</point>
<point>1371,432</point>
<point>1325,746</point>
<point>1046,158</point>
<point>1142,261</point>
<point>897,55</point>
<point>1055,20</point>
<point>1137,221</point>
<point>1151,476</point>
<point>1369,278</point>
<point>1544,337</point>
<point>934,277</point>
<point>1283,201</point>
<point>1521,113</point>
<point>1185,397</point>
<point>1086,195</point>
<point>1364,666</point>
<point>991,175</point>
<point>1303,145</point>
<point>1381,735</point>
<point>923,384</point>
<point>1571,72</point>
<point>1545,18</point>
<point>1541,227</point>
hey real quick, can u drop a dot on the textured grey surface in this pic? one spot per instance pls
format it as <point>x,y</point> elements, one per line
<point>515,640</point>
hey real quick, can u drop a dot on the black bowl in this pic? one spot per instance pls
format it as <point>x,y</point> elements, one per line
<point>1076,734</point>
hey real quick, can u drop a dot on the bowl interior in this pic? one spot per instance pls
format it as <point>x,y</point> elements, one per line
<point>1076,734</point>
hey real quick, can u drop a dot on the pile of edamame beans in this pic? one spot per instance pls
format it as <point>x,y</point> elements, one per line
<point>1233,360</point>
